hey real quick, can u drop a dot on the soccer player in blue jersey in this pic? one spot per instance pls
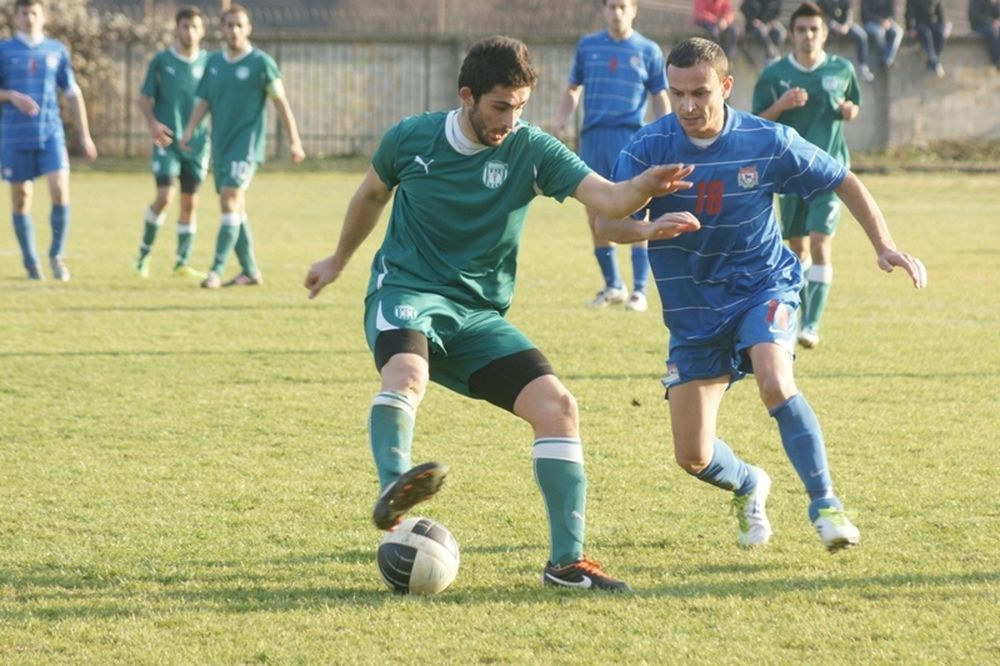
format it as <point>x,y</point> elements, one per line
<point>33,69</point>
<point>443,279</point>
<point>730,289</point>
<point>618,69</point>
<point>166,103</point>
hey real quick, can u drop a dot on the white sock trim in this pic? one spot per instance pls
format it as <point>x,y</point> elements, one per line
<point>154,219</point>
<point>231,219</point>
<point>186,228</point>
<point>396,401</point>
<point>568,449</point>
<point>821,273</point>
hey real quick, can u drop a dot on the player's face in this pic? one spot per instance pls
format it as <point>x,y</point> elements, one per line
<point>698,98</point>
<point>808,35</point>
<point>619,14</point>
<point>189,32</point>
<point>30,19</point>
<point>236,31</point>
<point>496,113</point>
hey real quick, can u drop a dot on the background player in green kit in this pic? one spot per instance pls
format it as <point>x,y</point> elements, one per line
<point>444,276</point>
<point>815,93</point>
<point>237,82</point>
<point>166,102</point>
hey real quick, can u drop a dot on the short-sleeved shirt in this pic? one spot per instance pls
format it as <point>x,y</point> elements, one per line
<point>171,81</point>
<point>617,76</point>
<point>237,92</point>
<point>457,219</point>
<point>40,71</point>
<point>819,121</point>
<point>708,278</point>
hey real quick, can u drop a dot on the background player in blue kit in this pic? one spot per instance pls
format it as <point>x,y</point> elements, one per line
<point>730,289</point>
<point>443,279</point>
<point>618,69</point>
<point>33,70</point>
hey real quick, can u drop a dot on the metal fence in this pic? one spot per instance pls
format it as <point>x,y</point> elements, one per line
<point>344,92</point>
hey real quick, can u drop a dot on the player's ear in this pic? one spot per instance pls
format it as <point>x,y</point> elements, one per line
<point>727,86</point>
<point>465,94</point>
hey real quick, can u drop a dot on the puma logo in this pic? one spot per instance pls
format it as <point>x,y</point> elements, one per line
<point>426,165</point>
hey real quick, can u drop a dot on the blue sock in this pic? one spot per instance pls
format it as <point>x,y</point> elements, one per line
<point>60,228</point>
<point>803,442</point>
<point>727,471</point>
<point>640,268</point>
<point>609,266</point>
<point>25,233</point>
<point>390,429</point>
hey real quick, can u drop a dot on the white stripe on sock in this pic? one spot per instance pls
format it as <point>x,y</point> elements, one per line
<point>821,273</point>
<point>558,448</point>
<point>396,400</point>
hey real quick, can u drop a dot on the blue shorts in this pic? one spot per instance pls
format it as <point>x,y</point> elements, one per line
<point>599,147</point>
<point>23,165</point>
<point>774,320</point>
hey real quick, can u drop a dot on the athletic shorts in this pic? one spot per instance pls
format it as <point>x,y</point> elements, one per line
<point>599,147</point>
<point>233,171</point>
<point>461,339</point>
<point>800,217</point>
<point>774,320</point>
<point>170,162</point>
<point>23,165</point>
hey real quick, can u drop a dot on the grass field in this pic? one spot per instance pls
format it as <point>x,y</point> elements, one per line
<point>185,476</point>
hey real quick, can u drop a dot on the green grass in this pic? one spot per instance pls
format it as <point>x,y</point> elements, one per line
<point>185,475</point>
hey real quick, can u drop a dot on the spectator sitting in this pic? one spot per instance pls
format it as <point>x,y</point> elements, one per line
<point>762,18</point>
<point>984,17</point>
<point>878,17</point>
<point>717,18</point>
<point>840,18</point>
<point>925,19</point>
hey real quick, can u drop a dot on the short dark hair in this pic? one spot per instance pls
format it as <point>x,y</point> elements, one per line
<point>28,3</point>
<point>188,13</point>
<point>236,8</point>
<point>807,8</point>
<point>496,61</point>
<point>697,50</point>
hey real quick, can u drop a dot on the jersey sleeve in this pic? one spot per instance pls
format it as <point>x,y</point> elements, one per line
<point>560,171</point>
<point>149,83</point>
<point>65,80</point>
<point>805,169</point>
<point>384,159</point>
<point>576,71</point>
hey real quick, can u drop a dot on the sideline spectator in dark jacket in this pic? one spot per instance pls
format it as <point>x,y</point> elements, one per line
<point>762,18</point>
<point>925,19</point>
<point>840,18</point>
<point>717,18</point>
<point>984,17</point>
<point>879,19</point>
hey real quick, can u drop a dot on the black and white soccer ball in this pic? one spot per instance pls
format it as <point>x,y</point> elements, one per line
<point>420,556</point>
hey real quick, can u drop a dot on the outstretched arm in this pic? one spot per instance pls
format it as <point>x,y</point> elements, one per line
<point>617,200</point>
<point>862,205</point>
<point>628,230</point>
<point>362,216</point>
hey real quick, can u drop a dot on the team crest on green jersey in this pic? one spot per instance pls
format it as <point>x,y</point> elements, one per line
<point>494,174</point>
<point>747,177</point>
<point>831,83</point>
<point>242,72</point>
<point>406,312</point>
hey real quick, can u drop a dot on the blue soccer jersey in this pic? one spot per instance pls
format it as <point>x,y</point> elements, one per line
<point>40,71</point>
<point>736,260</point>
<point>617,76</point>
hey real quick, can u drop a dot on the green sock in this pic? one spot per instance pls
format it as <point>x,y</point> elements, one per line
<point>185,242</point>
<point>229,231</point>
<point>151,225</point>
<point>390,429</point>
<point>559,473</point>
<point>816,294</point>
<point>244,248</point>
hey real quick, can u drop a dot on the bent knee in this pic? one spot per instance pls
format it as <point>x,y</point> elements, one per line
<point>692,463</point>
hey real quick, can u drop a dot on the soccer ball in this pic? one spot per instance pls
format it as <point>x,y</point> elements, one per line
<point>419,557</point>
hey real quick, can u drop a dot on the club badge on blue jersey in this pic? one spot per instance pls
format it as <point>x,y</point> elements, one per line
<point>747,177</point>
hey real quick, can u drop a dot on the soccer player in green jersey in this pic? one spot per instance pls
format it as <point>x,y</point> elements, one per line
<point>166,102</point>
<point>235,87</point>
<point>815,93</point>
<point>443,279</point>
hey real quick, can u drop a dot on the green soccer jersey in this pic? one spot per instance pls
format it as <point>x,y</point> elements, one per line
<point>237,92</point>
<point>170,82</point>
<point>456,217</point>
<point>829,84</point>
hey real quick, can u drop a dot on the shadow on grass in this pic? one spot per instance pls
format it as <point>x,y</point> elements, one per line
<point>187,352</point>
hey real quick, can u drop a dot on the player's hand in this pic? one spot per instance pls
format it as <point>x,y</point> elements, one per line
<point>298,154</point>
<point>162,136</point>
<point>794,98</point>
<point>89,148</point>
<point>322,273</point>
<point>913,266</point>
<point>25,104</point>
<point>848,110</point>
<point>670,225</point>
<point>666,179</point>
<point>185,143</point>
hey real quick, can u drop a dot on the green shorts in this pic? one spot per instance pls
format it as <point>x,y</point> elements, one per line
<point>170,162</point>
<point>800,217</point>
<point>233,171</point>
<point>461,339</point>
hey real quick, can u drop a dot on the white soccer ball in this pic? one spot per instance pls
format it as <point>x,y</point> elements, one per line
<point>420,556</point>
